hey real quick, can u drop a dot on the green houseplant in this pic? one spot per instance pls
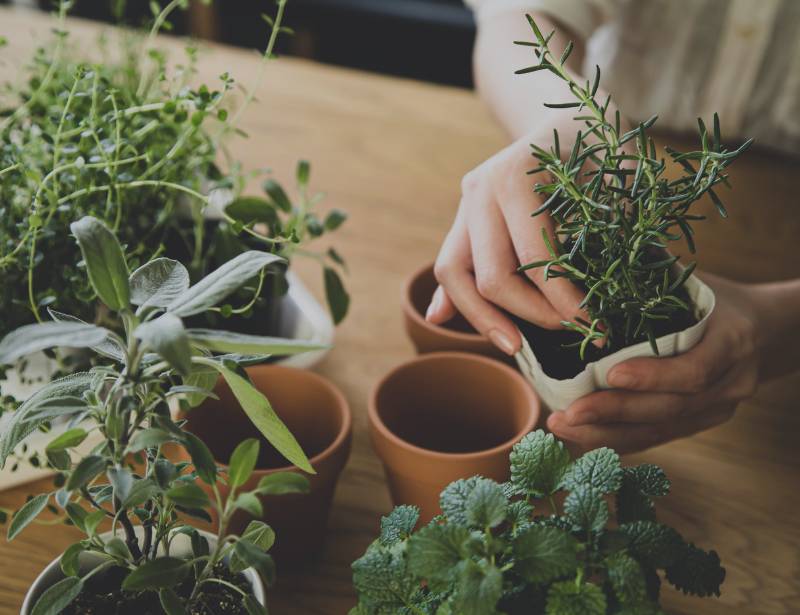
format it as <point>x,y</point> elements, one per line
<point>133,141</point>
<point>124,402</point>
<point>616,212</point>
<point>492,551</point>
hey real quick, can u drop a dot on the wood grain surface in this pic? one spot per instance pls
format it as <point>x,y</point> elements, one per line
<point>391,152</point>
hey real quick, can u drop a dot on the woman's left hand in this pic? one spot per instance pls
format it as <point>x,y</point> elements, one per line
<point>660,399</point>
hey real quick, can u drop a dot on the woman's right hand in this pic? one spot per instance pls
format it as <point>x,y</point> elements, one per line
<point>492,235</point>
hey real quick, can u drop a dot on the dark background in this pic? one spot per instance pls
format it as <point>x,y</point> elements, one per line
<point>422,39</point>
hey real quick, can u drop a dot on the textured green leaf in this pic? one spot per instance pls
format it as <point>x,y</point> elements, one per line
<point>243,462</point>
<point>568,598</point>
<point>152,437</point>
<point>156,574</point>
<point>167,337</point>
<point>188,495</point>
<point>70,559</point>
<point>68,439</point>
<point>116,547</point>
<point>58,596</point>
<point>486,504</point>
<point>398,524</point>
<point>435,551</point>
<point>255,557</point>
<point>249,503</point>
<point>105,262</point>
<point>626,578</point>
<point>158,283</point>
<point>586,508</point>
<point>382,580</point>
<point>86,470</point>
<point>544,553</point>
<point>649,479</point>
<point>479,589</point>
<point>220,283</point>
<point>652,543</point>
<point>226,341</point>
<point>453,500</point>
<point>25,515</point>
<point>263,416</point>
<point>538,464</point>
<point>283,483</point>
<point>202,459</point>
<point>141,491</point>
<point>257,533</point>
<point>696,572</point>
<point>41,336</point>
<point>599,469</point>
<point>108,348</point>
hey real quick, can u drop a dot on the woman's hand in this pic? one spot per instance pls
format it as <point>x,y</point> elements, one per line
<point>493,234</point>
<point>661,399</point>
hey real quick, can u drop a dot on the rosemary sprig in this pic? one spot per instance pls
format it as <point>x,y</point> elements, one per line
<point>616,212</point>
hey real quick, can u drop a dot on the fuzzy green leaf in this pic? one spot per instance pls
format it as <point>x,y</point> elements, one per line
<point>68,439</point>
<point>398,524</point>
<point>57,597</point>
<point>599,469</point>
<point>255,557</point>
<point>188,495</point>
<point>544,553</point>
<point>202,459</point>
<point>538,464</point>
<point>453,500</point>
<point>167,337</point>
<point>226,341</point>
<point>626,578</point>
<point>652,543</point>
<point>86,470</point>
<point>586,509</point>
<point>486,505</point>
<point>435,551</point>
<point>243,462</point>
<point>568,598</point>
<point>158,283</point>
<point>105,262</point>
<point>42,336</point>
<point>25,515</point>
<point>283,483</point>
<point>156,574</point>
<point>478,589</point>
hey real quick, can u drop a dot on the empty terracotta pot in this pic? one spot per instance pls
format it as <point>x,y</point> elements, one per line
<point>316,412</point>
<point>445,416</point>
<point>455,335</point>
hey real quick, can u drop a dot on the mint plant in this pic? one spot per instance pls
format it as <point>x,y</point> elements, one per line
<point>138,144</point>
<point>124,402</point>
<point>616,212</point>
<point>492,551</point>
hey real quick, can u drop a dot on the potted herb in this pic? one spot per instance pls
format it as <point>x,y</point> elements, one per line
<point>127,478</point>
<point>135,143</point>
<point>616,212</point>
<point>493,552</point>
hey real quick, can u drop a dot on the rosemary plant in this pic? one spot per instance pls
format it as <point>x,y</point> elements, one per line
<point>133,142</point>
<point>123,404</point>
<point>616,212</point>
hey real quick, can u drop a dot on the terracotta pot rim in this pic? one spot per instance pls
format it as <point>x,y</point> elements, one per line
<point>377,423</point>
<point>341,405</point>
<point>413,314</point>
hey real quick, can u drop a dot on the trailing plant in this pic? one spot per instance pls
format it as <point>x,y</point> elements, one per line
<point>124,403</point>
<point>491,551</point>
<point>616,212</point>
<point>134,142</point>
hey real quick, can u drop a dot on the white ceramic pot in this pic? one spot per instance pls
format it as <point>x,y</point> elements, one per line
<point>557,395</point>
<point>181,546</point>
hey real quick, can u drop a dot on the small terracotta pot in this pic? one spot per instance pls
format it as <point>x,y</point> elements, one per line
<point>455,335</point>
<point>318,415</point>
<point>445,416</point>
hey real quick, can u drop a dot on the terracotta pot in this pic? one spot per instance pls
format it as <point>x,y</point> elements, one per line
<point>319,417</point>
<point>455,335</point>
<point>445,416</point>
<point>180,547</point>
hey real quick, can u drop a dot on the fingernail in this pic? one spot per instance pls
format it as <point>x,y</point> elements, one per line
<point>502,341</point>
<point>436,302</point>
<point>622,380</point>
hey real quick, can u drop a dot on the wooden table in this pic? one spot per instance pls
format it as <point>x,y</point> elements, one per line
<point>391,153</point>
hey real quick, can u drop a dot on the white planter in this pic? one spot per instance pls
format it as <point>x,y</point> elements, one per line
<point>181,547</point>
<point>301,317</point>
<point>557,395</point>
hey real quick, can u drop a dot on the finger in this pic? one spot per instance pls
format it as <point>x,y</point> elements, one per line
<point>495,265</point>
<point>441,308</point>
<point>627,438</point>
<point>691,372</point>
<point>453,270</point>
<point>618,406</point>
